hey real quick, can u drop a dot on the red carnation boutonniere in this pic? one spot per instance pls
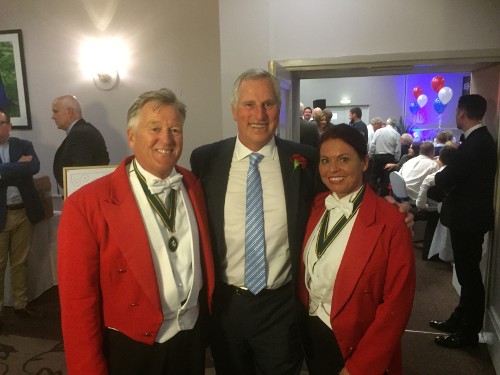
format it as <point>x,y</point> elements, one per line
<point>298,161</point>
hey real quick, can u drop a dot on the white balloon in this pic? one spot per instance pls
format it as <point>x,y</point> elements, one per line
<point>422,100</point>
<point>445,95</point>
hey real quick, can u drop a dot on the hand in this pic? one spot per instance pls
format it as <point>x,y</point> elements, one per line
<point>344,372</point>
<point>390,166</point>
<point>404,207</point>
<point>25,159</point>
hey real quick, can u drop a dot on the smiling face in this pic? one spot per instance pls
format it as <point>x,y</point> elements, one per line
<point>256,112</point>
<point>156,138</point>
<point>340,167</point>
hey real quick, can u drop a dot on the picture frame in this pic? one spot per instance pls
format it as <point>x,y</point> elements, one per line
<point>13,83</point>
<point>76,177</point>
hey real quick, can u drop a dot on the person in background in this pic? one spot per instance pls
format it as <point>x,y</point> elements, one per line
<point>315,113</point>
<point>355,114</point>
<point>135,265</point>
<point>441,139</point>
<point>385,148</point>
<point>413,151</point>
<point>329,116</point>
<point>426,208</point>
<point>357,278</point>
<point>20,209</point>
<point>322,122</point>
<point>468,211</point>
<point>307,114</point>
<point>406,142</point>
<point>83,145</point>
<point>375,124</point>
<point>417,168</point>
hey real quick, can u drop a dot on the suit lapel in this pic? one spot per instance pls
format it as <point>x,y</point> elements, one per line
<point>216,187</point>
<point>291,184</point>
<point>122,214</point>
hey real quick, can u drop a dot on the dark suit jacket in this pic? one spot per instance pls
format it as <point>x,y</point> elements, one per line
<point>83,146</point>
<point>309,133</point>
<point>211,163</point>
<point>21,176</point>
<point>362,128</point>
<point>469,181</point>
<point>373,291</point>
<point>105,268</point>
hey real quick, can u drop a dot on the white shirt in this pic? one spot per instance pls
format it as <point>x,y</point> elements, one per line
<point>423,202</point>
<point>321,273</point>
<point>278,267</point>
<point>386,140</point>
<point>178,273</point>
<point>414,171</point>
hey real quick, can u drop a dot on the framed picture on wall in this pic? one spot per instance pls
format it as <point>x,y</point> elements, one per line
<point>13,84</point>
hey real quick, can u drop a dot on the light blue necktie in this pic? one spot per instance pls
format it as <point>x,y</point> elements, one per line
<point>255,259</point>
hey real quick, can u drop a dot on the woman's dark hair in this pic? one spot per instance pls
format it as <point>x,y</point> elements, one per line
<point>415,146</point>
<point>349,135</point>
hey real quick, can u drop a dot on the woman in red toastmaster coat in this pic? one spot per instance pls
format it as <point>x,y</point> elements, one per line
<point>358,280</point>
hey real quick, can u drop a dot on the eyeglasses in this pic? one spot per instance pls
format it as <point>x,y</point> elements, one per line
<point>4,122</point>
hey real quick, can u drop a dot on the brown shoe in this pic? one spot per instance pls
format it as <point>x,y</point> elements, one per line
<point>28,313</point>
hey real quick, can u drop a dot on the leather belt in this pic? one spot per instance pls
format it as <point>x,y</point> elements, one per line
<point>242,291</point>
<point>18,206</point>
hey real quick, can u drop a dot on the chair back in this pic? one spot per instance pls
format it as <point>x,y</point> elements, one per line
<point>398,187</point>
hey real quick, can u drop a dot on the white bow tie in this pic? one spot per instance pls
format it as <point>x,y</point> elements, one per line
<point>332,202</point>
<point>157,186</point>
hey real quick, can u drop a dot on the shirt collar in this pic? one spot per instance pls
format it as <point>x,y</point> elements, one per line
<point>241,151</point>
<point>71,126</point>
<point>149,176</point>
<point>467,133</point>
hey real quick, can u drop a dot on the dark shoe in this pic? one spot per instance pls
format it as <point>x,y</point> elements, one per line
<point>444,325</point>
<point>457,340</point>
<point>27,313</point>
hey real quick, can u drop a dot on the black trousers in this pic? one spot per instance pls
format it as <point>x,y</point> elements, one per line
<point>467,252</point>
<point>432,218</point>
<point>183,354</point>
<point>380,177</point>
<point>323,355</point>
<point>255,334</point>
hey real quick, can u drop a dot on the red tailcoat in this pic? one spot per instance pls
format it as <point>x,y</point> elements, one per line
<point>105,268</point>
<point>374,288</point>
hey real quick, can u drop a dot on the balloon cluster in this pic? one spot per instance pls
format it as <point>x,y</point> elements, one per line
<point>444,96</point>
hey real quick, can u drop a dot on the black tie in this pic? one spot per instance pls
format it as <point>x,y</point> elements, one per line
<point>462,138</point>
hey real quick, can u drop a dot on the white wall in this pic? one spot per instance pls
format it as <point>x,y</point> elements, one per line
<point>173,43</point>
<point>252,33</point>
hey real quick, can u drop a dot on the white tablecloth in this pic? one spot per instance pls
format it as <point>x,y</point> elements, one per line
<point>42,260</point>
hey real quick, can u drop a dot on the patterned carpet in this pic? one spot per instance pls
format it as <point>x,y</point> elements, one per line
<point>27,355</point>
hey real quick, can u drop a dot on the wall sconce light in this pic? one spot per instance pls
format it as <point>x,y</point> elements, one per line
<point>345,101</point>
<point>104,60</point>
<point>106,80</point>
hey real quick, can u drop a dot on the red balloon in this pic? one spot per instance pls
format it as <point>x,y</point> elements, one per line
<point>437,83</point>
<point>417,91</point>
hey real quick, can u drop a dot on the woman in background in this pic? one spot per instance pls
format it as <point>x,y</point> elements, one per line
<point>358,272</point>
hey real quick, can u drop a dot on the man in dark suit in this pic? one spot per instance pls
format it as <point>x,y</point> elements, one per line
<point>20,209</point>
<point>468,212</point>
<point>256,333</point>
<point>84,144</point>
<point>136,274</point>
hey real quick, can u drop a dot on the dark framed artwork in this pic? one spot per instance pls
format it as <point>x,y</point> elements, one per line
<point>13,84</point>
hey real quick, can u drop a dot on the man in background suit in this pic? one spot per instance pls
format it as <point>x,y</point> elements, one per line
<point>355,121</point>
<point>20,209</point>
<point>468,212</point>
<point>84,144</point>
<point>256,333</point>
<point>136,274</point>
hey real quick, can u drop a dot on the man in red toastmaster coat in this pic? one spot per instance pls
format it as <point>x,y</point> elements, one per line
<point>135,279</point>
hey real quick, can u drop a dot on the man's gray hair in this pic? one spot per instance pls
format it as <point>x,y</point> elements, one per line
<point>376,120</point>
<point>161,97</point>
<point>255,74</point>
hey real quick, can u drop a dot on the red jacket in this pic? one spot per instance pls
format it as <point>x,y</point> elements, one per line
<point>374,288</point>
<point>105,269</point>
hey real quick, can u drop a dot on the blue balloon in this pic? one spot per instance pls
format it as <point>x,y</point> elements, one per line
<point>438,106</point>
<point>414,108</point>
